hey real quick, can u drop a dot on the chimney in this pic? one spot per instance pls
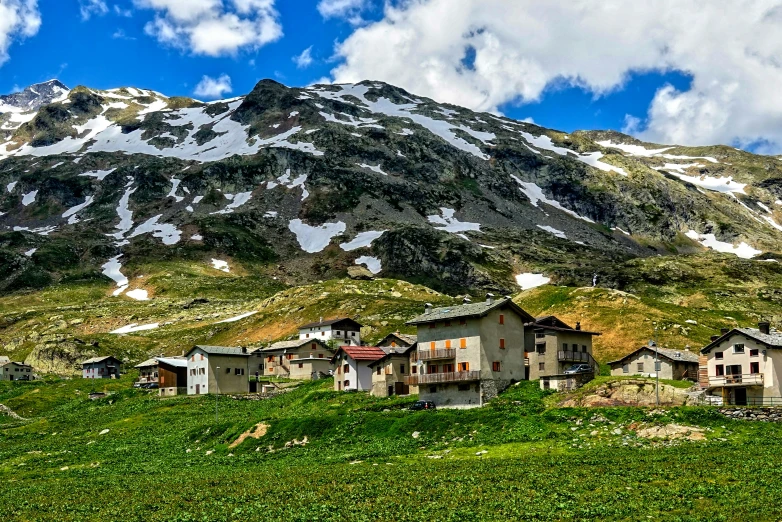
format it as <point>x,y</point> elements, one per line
<point>428,308</point>
<point>724,331</point>
<point>489,298</point>
<point>687,348</point>
<point>578,326</point>
<point>466,300</point>
<point>764,327</point>
<point>714,338</point>
<point>244,349</point>
<point>321,319</point>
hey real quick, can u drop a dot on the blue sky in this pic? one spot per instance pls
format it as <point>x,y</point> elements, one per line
<point>524,58</point>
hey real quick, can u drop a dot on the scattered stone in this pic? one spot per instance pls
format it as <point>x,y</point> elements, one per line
<point>416,434</point>
<point>104,432</point>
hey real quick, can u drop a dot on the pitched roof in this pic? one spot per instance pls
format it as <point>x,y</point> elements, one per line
<point>468,310</point>
<point>287,345</point>
<point>666,353</point>
<point>552,320</point>
<point>406,338</point>
<point>772,339</point>
<point>220,350</point>
<point>330,322</point>
<point>176,362</point>
<point>96,360</point>
<point>362,353</point>
<point>7,363</point>
<point>147,363</point>
<point>398,351</point>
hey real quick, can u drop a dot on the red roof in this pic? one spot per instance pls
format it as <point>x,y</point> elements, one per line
<point>363,353</point>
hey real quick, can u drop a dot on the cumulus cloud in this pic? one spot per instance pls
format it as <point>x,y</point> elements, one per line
<point>18,19</point>
<point>304,59</point>
<point>486,53</point>
<point>348,9</point>
<point>211,88</point>
<point>213,27</point>
<point>92,7</point>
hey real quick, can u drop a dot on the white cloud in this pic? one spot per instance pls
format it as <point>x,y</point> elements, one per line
<point>127,13</point>
<point>486,53</point>
<point>92,7</point>
<point>119,34</point>
<point>18,19</point>
<point>349,9</point>
<point>211,88</point>
<point>304,59</point>
<point>213,27</point>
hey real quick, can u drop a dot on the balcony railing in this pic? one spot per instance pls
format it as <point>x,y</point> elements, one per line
<point>443,353</point>
<point>568,356</point>
<point>437,378</point>
<point>745,379</point>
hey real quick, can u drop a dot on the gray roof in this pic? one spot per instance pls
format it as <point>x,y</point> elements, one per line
<point>408,338</point>
<point>16,363</point>
<point>177,362</point>
<point>668,353</point>
<point>468,310</point>
<point>96,360</point>
<point>147,363</point>
<point>220,350</point>
<point>287,345</point>
<point>772,340</point>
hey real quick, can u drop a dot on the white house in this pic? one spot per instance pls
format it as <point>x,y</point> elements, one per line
<point>352,367</point>
<point>217,369</point>
<point>344,330</point>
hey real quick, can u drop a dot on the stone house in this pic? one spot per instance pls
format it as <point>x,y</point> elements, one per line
<point>343,330</point>
<point>673,364</point>
<point>101,368</point>
<point>301,359</point>
<point>16,371</point>
<point>390,373</point>
<point>553,346</point>
<point>743,366</point>
<point>217,369</point>
<point>469,353</point>
<point>352,371</point>
<point>172,375</point>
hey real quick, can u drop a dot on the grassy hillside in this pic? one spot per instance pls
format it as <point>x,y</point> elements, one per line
<point>346,456</point>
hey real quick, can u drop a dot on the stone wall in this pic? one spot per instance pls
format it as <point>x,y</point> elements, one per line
<point>754,414</point>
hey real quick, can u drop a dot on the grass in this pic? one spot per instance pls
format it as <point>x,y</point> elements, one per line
<point>369,459</point>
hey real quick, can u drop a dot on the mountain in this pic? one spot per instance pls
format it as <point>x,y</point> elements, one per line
<point>127,192</point>
<point>34,96</point>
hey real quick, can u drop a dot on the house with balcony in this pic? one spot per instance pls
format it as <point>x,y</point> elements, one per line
<point>147,371</point>
<point>352,371</point>
<point>553,346</point>
<point>16,371</point>
<point>101,368</point>
<point>468,353</point>
<point>218,370</point>
<point>390,373</point>
<point>651,360</point>
<point>301,359</point>
<point>343,330</point>
<point>743,366</point>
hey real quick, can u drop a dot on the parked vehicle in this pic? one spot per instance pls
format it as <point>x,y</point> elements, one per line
<point>422,405</point>
<point>578,368</point>
<point>151,386</point>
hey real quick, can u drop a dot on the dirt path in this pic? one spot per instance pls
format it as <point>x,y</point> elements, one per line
<point>256,432</point>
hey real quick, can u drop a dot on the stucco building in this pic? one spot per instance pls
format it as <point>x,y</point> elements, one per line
<point>101,368</point>
<point>343,330</point>
<point>302,359</point>
<point>16,371</point>
<point>352,371</point>
<point>673,364</point>
<point>469,353</point>
<point>217,369</point>
<point>390,373</point>
<point>552,346</point>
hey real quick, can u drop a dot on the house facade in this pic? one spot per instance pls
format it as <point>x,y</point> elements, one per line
<point>743,365</point>
<point>352,371</point>
<point>467,354</point>
<point>101,368</point>
<point>344,331</point>
<point>147,371</point>
<point>302,359</point>
<point>217,369</point>
<point>172,376</point>
<point>553,346</point>
<point>390,374</point>
<point>671,364</point>
<point>16,371</point>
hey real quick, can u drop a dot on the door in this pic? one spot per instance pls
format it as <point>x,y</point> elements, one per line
<point>740,396</point>
<point>198,389</point>
<point>390,390</point>
<point>733,374</point>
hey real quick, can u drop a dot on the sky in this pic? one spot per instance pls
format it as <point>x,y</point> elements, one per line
<point>670,71</point>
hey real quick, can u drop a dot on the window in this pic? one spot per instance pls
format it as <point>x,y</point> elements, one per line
<point>389,369</point>
<point>432,389</point>
<point>502,344</point>
<point>448,368</point>
<point>377,372</point>
<point>314,346</point>
<point>719,370</point>
<point>754,352</point>
<point>564,347</point>
<point>202,357</point>
<point>320,356</point>
<point>432,368</point>
<point>447,323</point>
<point>289,356</point>
<point>502,319</point>
<point>718,355</point>
<point>541,366</point>
<point>432,325</point>
<point>322,334</point>
<point>192,358</point>
<point>431,345</point>
<point>464,367</point>
<point>640,367</point>
<point>402,369</point>
<point>346,368</point>
<point>347,383</point>
<point>337,332</point>
<point>738,348</point>
<point>228,370</point>
<point>448,344</point>
<point>270,358</point>
<point>754,367</point>
<point>464,387</point>
<point>625,368</point>
<point>308,336</point>
<point>393,344</point>
<point>540,335</point>
<point>462,322</point>
<point>301,365</point>
<point>584,348</point>
<point>540,348</point>
<point>413,369</point>
<point>462,343</point>
<point>240,371</point>
<point>495,366</point>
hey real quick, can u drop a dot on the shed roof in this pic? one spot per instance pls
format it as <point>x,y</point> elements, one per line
<point>96,360</point>
<point>772,339</point>
<point>176,362</point>
<point>220,350</point>
<point>666,353</point>
<point>469,310</point>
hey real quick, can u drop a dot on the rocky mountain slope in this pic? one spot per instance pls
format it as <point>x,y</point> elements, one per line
<point>111,193</point>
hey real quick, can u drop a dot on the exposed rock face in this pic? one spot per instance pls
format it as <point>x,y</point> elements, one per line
<point>631,392</point>
<point>34,96</point>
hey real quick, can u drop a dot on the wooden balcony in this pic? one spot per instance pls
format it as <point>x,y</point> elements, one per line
<point>746,379</point>
<point>438,378</point>
<point>430,355</point>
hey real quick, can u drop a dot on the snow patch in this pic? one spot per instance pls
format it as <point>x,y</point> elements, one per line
<point>71,212</point>
<point>168,233</point>
<point>373,264</point>
<point>220,265</point>
<point>362,239</point>
<point>449,223</point>
<point>535,195</point>
<point>373,168</point>
<point>138,295</point>
<point>29,198</point>
<point>743,250</point>
<point>237,318</point>
<point>552,230</point>
<point>135,327</point>
<point>315,239</point>
<point>529,280</point>
<point>237,200</point>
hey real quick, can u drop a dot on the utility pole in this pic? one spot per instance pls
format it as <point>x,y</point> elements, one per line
<point>217,395</point>
<point>657,364</point>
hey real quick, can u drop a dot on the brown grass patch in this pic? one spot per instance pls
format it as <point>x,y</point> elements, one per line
<point>256,432</point>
